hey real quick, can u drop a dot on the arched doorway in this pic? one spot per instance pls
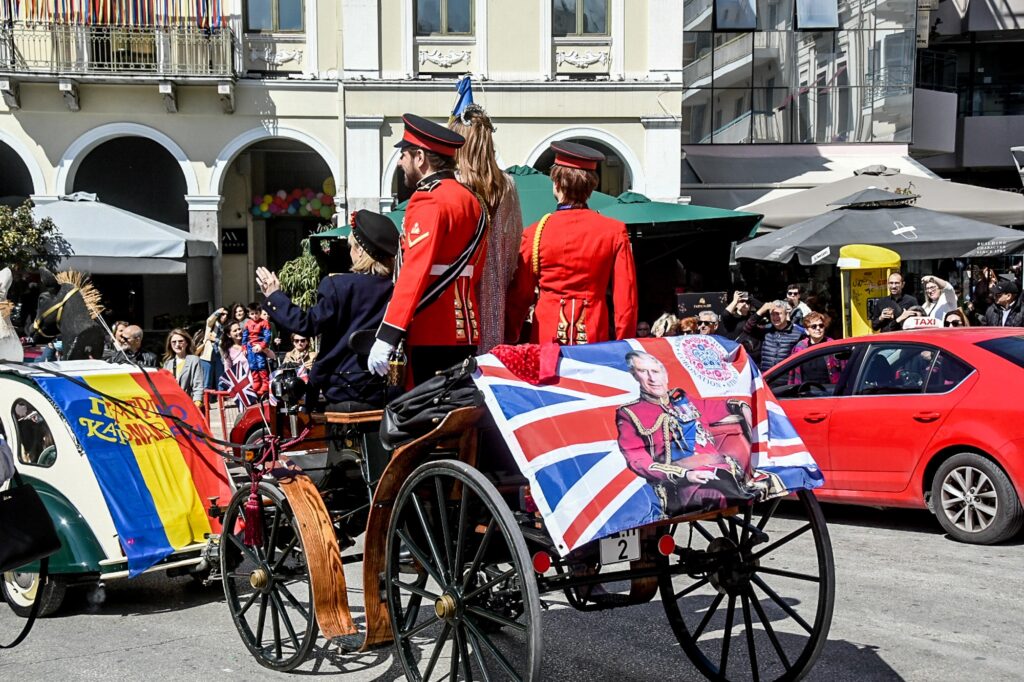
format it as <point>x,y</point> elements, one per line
<point>613,171</point>
<point>136,174</point>
<point>15,180</point>
<point>277,191</point>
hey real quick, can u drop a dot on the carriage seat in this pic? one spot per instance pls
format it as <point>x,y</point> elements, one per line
<point>353,412</point>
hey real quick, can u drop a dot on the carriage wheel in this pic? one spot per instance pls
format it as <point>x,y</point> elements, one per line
<point>752,595</point>
<point>268,586</point>
<point>481,609</point>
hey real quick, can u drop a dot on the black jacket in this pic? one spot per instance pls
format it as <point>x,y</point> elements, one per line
<point>345,304</point>
<point>994,316</point>
<point>898,306</point>
<point>732,327</point>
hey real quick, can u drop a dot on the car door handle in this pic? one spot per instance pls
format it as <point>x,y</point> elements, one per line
<point>815,417</point>
<point>927,416</point>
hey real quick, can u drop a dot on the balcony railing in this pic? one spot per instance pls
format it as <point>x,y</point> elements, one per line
<point>890,81</point>
<point>65,49</point>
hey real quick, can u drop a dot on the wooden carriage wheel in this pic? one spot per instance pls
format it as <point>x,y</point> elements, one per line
<point>749,596</point>
<point>474,599</point>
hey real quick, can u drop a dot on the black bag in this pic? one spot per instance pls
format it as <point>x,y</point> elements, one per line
<point>27,534</point>
<point>419,411</point>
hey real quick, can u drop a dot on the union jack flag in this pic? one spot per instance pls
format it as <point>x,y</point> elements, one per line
<point>564,437</point>
<point>238,384</point>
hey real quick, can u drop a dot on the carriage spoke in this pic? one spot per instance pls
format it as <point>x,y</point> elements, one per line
<point>727,635</point>
<point>490,583</point>
<point>289,548</point>
<point>484,542</point>
<point>790,574</point>
<point>418,553</point>
<point>727,530</point>
<point>697,585</point>
<point>275,622</point>
<point>446,533</point>
<point>782,604</point>
<point>460,638</point>
<point>261,620</point>
<point>749,623</point>
<point>702,530</point>
<point>707,616</point>
<point>272,541</point>
<point>500,657</point>
<point>746,526</point>
<point>287,621</point>
<point>453,672</point>
<point>250,602</point>
<point>429,537</point>
<point>415,589</point>
<point>477,654</point>
<point>295,602</point>
<point>437,651</point>
<point>779,543</point>
<point>500,620</point>
<point>461,536</point>
<point>769,513</point>
<point>412,632</point>
<point>768,628</point>
<point>245,550</point>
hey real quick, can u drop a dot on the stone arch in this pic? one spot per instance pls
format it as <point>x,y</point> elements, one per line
<point>239,144</point>
<point>632,161</point>
<point>34,169</point>
<point>72,157</point>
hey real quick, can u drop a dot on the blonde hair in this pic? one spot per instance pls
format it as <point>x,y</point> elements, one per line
<point>478,168</point>
<point>365,264</point>
<point>666,325</point>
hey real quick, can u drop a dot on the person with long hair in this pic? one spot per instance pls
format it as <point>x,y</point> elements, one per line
<point>346,303</point>
<point>478,169</point>
<point>180,361</point>
<point>573,256</point>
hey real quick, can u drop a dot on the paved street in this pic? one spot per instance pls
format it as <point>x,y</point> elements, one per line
<point>911,605</point>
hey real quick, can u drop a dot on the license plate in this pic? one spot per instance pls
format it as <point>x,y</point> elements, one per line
<point>624,546</point>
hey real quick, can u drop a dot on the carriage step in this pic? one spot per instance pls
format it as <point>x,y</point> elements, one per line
<point>348,644</point>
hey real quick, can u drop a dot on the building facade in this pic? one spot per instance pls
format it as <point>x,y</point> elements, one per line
<point>250,122</point>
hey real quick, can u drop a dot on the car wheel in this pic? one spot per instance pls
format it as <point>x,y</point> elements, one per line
<point>974,500</point>
<point>22,589</point>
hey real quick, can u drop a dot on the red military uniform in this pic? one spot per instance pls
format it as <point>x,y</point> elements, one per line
<point>440,221</point>
<point>578,254</point>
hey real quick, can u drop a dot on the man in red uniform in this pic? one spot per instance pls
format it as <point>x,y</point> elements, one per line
<point>572,255</point>
<point>434,306</point>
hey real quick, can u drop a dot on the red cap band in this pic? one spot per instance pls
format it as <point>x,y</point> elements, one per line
<point>573,162</point>
<point>434,145</point>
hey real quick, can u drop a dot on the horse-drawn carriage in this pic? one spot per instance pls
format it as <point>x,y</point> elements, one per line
<point>475,526</point>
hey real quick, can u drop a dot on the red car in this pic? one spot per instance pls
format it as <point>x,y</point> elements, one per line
<point>929,418</point>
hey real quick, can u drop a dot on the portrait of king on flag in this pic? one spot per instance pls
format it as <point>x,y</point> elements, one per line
<point>617,435</point>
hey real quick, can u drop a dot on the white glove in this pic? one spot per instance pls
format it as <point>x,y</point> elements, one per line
<point>380,354</point>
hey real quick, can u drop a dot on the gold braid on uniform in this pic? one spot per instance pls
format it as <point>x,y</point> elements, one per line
<point>536,244</point>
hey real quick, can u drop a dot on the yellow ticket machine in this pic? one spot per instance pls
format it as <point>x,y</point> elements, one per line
<point>864,271</point>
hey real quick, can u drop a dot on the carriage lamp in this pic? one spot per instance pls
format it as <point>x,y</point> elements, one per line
<point>215,511</point>
<point>666,545</point>
<point>541,562</point>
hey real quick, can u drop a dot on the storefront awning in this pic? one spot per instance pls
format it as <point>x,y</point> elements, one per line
<point>736,176</point>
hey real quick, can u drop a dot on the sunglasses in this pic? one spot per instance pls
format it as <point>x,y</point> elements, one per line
<point>705,323</point>
<point>954,323</point>
<point>300,340</point>
<point>792,293</point>
<point>815,326</point>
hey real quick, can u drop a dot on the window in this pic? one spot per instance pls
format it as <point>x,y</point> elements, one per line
<point>911,368</point>
<point>444,17</point>
<point>579,18</point>
<point>35,442</point>
<point>274,16</point>
<point>814,375</point>
<point>1010,348</point>
<point>817,14</point>
<point>735,15</point>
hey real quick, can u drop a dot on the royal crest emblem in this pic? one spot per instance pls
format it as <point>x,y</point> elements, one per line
<point>705,361</point>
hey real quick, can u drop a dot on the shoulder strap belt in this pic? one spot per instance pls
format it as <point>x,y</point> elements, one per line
<point>453,270</point>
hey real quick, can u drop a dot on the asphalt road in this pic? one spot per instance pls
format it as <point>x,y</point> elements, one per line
<point>910,604</point>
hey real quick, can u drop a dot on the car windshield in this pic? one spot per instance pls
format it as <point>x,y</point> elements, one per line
<point>1008,347</point>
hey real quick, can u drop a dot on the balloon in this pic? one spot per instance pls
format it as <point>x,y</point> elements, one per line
<point>281,193</point>
<point>310,194</point>
<point>328,186</point>
<point>315,205</point>
<point>265,214</point>
<point>326,211</point>
<point>303,211</point>
<point>328,199</point>
<point>264,206</point>
<point>267,198</point>
<point>292,210</point>
<point>256,211</point>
